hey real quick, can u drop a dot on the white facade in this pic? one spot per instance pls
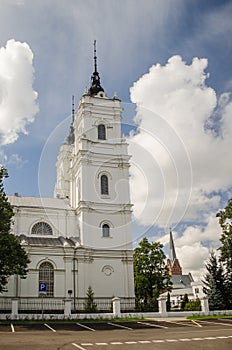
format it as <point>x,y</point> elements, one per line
<point>83,236</point>
<point>194,291</point>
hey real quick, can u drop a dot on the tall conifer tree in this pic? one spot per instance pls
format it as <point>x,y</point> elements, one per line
<point>215,284</point>
<point>225,220</point>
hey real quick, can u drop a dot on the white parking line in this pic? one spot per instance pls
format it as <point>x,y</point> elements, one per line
<point>158,341</point>
<point>52,329</point>
<point>119,325</point>
<point>144,341</point>
<point>12,328</point>
<point>182,323</point>
<point>82,325</point>
<point>210,338</point>
<point>221,337</point>
<point>150,341</point>
<point>220,323</point>
<point>78,346</point>
<point>152,325</point>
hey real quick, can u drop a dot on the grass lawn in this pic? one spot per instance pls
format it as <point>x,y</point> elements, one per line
<point>208,317</point>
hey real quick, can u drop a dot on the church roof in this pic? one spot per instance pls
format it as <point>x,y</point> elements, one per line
<point>181,281</point>
<point>53,203</point>
<point>49,241</point>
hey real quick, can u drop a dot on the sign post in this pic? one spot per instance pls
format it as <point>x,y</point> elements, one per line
<point>42,292</point>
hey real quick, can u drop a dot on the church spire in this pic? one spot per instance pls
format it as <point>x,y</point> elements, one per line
<point>173,263</point>
<point>172,252</point>
<point>95,86</point>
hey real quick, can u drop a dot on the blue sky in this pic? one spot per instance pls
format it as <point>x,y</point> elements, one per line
<point>132,36</point>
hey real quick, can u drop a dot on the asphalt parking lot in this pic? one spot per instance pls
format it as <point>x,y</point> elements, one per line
<point>93,326</point>
<point>109,335</point>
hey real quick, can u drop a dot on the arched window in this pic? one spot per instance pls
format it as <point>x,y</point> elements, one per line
<point>101,132</point>
<point>105,230</point>
<point>46,275</point>
<point>41,228</point>
<point>104,185</point>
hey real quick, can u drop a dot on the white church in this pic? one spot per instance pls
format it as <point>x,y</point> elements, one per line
<point>81,237</point>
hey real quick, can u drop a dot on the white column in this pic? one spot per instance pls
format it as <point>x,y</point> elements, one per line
<point>67,307</point>
<point>68,262</point>
<point>116,307</point>
<point>205,305</point>
<point>162,305</point>
<point>14,308</point>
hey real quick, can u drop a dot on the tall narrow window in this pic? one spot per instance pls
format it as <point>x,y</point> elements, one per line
<point>104,185</point>
<point>46,275</point>
<point>101,132</point>
<point>105,230</point>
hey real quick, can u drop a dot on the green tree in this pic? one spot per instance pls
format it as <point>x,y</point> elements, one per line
<point>225,221</point>
<point>184,301</point>
<point>150,274</point>
<point>215,283</point>
<point>90,305</point>
<point>13,258</point>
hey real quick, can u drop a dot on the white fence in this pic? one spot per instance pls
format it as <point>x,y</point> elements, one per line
<point>49,308</point>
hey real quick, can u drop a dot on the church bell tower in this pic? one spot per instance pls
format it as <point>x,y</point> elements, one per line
<point>98,172</point>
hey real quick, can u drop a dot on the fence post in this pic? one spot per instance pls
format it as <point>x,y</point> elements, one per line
<point>14,308</point>
<point>205,305</point>
<point>67,307</point>
<point>116,307</point>
<point>162,306</point>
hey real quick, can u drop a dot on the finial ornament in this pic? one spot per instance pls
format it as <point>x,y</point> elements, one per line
<point>71,136</point>
<point>95,86</point>
<point>95,56</point>
<point>73,108</point>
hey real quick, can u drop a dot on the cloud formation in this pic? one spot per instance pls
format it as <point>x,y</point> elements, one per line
<point>182,146</point>
<point>181,165</point>
<point>18,104</point>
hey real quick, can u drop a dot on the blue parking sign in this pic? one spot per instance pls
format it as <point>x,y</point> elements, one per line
<point>42,287</point>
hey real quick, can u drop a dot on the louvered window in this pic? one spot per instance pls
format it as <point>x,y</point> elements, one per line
<point>104,185</point>
<point>101,132</point>
<point>46,275</point>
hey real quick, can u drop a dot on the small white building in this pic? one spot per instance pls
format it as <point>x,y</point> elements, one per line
<point>181,284</point>
<point>82,237</point>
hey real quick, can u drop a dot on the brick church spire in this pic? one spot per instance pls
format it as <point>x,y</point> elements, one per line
<point>173,264</point>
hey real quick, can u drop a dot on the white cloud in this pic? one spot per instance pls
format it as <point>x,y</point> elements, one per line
<point>14,159</point>
<point>183,163</point>
<point>17,97</point>
<point>194,245</point>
